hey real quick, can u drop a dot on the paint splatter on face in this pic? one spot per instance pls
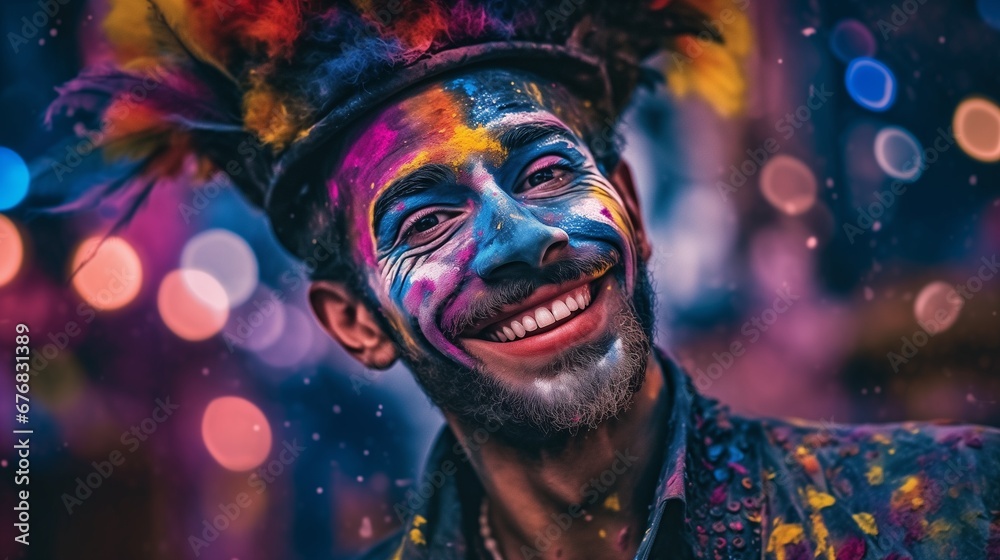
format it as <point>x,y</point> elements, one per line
<point>503,258</point>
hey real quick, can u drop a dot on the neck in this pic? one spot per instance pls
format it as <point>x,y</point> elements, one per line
<point>587,499</point>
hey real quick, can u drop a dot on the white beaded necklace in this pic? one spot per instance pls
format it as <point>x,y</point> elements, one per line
<point>489,543</point>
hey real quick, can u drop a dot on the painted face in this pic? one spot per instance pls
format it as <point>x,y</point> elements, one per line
<point>502,257</point>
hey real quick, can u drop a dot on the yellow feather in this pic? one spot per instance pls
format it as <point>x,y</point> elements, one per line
<point>710,70</point>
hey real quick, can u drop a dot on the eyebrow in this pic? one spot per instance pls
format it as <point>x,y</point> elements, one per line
<point>420,180</point>
<point>527,134</point>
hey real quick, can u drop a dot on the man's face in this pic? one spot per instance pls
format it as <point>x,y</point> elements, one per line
<point>504,262</point>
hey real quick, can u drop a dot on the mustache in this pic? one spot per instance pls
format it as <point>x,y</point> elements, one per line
<point>516,290</point>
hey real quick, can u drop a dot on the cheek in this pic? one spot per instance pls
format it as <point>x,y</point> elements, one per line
<point>600,215</point>
<point>597,214</point>
<point>420,285</point>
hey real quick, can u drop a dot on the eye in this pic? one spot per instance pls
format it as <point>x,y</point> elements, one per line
<point>542,177</point>
<point>546,174</point>
<point>426,223</point>
<point>424,227</point>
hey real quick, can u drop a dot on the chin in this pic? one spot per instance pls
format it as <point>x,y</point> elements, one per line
<point>569,375</point>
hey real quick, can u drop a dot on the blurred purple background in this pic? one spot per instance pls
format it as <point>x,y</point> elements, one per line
<point>830,255</point>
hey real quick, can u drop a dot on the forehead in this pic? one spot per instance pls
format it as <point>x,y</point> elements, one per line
<point>452,119</point>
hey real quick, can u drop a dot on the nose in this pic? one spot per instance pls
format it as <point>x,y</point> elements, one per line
<point>517,243</point>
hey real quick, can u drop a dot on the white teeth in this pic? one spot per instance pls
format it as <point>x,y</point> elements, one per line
<point>559,310</point>
<point>544,317</point>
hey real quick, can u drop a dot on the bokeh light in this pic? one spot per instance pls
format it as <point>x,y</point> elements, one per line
<point>977,128</point>
<point>788,184</point>
<point>108,272</point>
<point>990,11</point>
<point>899,153</point>
<point>236,433</point>
<point>14,178</point>
<point>258,323</point>
<point>937,307</point>
<point>295,342</point>
<point>850,39</point>
<point>228,258</point>
<point>11,250</point>
<point>193,304</point>
<point>871,84</point>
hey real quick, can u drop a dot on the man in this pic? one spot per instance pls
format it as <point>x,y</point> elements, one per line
<point>488,234</point>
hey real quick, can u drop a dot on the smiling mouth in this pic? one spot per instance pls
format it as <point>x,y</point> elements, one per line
<point>538,318</point>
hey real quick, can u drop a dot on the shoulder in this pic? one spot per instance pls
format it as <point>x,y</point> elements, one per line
<point>924,489</point>
<point>887,453</point>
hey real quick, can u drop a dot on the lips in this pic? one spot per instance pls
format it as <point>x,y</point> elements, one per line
<point>548,308</point>
<point>583,326</point>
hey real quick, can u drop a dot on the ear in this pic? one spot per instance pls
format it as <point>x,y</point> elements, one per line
<point>621,177</point>
<point>347,319</point>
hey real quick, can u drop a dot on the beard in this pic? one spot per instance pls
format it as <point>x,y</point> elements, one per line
<point>583,387</point>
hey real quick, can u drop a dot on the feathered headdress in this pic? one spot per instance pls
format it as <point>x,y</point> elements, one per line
<point>252,88</point>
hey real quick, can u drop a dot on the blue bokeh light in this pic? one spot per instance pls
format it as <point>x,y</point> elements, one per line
<point>14,178</point>
<point>850,39</point>
<point>871,84</point>
<point>990,11</point>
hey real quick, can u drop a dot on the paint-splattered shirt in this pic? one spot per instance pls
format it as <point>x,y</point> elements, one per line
<point>740,488</point>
